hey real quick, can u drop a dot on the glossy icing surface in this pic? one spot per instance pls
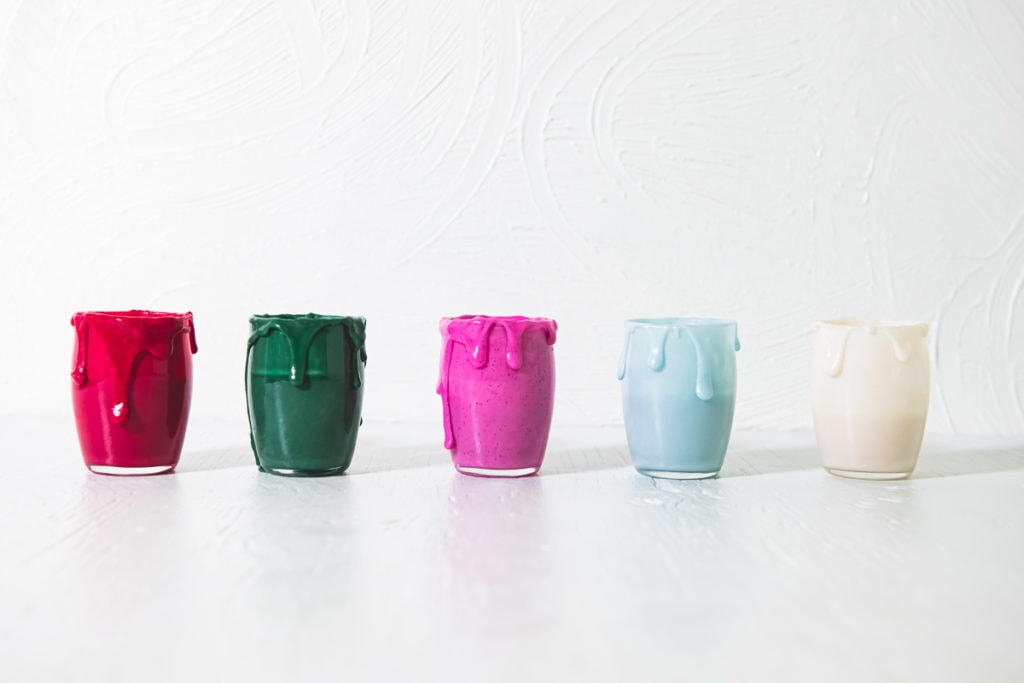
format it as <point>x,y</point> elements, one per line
<point>678,394</point>
<point>131,387</point>
<point>832,337</point>
<point>656,333</point>
<point>304,389</point>
<point>299,331</point>
<point>870,389</point>
<point>496,384</point>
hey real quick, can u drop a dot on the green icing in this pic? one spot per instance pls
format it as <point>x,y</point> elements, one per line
<point>304,379</point>
<point>301,330</point>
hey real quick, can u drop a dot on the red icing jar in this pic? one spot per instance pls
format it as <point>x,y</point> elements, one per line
<point>131,388</point>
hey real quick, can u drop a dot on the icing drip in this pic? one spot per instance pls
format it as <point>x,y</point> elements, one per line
<point>656,357</point>
<point>837,335</point>
<point>125,337</point>
<point>477,334</point>
<point>442,387</point>
<point>82,336</point>
<point>835,350</point>
<point>624,357</point>
<point>705,385</point>
<point>902,353</point>
<point>903,341</point>
<point>474,333</point>
<point>658,337</point>
<point>301,330</point>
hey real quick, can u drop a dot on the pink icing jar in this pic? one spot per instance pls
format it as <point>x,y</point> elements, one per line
<point>497,388</point>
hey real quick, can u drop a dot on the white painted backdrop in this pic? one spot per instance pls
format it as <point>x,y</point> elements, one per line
<point>589,160</point>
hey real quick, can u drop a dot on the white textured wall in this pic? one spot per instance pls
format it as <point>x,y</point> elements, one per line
<point>585,159</point>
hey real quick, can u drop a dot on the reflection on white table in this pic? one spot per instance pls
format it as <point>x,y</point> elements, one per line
<point>404,569</point>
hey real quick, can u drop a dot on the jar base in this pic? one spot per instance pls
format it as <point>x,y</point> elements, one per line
<point>681,476</point>
<point>130,471</point>
<point>871,476</point>
<point>287,472</point>
<point>502,474</point>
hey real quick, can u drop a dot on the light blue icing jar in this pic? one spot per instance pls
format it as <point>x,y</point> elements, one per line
<point>679,394</point>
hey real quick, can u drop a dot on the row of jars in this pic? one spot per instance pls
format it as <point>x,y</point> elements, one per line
<point>132,385</point>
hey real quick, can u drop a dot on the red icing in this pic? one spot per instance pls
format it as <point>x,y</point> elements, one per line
<point>132,370</point>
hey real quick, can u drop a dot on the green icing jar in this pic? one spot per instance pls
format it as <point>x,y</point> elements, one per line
<point>304,388</point>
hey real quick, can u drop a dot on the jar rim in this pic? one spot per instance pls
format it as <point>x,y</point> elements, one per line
<point>696,321</point>
<point>135,314</point>
<point>854,321</point>
<point>311,317</point>
<point>496,318</point>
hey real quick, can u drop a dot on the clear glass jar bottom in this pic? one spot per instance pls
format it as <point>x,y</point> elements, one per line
<point>681,476</point>
<point>288,472</point>
<point>506,474</point>
<point>874,476</point>
<point>129,471</point>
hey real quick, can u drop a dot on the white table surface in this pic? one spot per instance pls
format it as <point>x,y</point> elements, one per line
<point>404,569</point>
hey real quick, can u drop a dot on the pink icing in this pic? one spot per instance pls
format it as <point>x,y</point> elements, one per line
<point>473,333</point>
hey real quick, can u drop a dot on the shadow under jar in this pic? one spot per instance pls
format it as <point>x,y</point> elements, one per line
<point>870,386</point>
<point>679,394</point>
<point>304,388</point>
<point>132,388</point>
